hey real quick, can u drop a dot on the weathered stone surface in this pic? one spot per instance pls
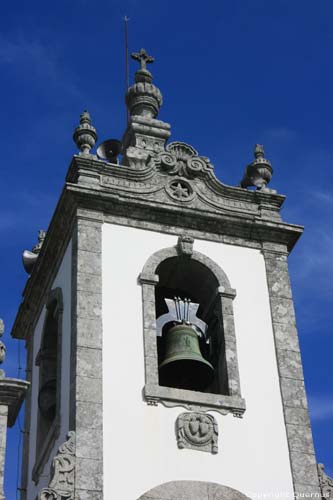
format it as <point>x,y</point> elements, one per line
<point>89,362</point>
<point>89,262</point>
<point>290,364</point>
<point>84,437</point>
<point>304,468</point>
<point>307,491</point>
<point>89,474</point>
<point>89,305</point>
<point>89,332</point>
<point>283,310</point>
<point>293,392</point>
<point>299,416</point>
<point>88,389</point>
<point>88,495</point>
<point>88,282</point>
<point>89,236</point>
<point>300,438</point>
<point>89,415</point>
<point>286,336</point>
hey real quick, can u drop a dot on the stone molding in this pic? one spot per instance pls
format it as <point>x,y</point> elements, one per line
<point>197,431</point>
<point>302,456</point>
<point>61,485</point>
<point>191,400</point>
<point>86,394</point>
<point>192,490</point>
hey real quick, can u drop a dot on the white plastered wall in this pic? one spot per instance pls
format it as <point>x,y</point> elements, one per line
<point>140,448</point>
<point>62,280</point>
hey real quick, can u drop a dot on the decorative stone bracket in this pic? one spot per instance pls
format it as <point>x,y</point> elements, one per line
<point>61,485</point>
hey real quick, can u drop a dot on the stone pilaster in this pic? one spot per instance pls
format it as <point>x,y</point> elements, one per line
<point>86,370</point>
<point>3,438</point>
<point>297,422</point>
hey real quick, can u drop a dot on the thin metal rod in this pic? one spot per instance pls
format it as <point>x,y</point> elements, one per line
<point>126,19</point>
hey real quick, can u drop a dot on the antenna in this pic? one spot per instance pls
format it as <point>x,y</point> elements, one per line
<point>126,19</point>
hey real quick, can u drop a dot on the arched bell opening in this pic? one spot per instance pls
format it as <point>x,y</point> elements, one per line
<point>190,338</point>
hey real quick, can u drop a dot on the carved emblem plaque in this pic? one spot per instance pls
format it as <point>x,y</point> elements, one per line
<point>197,431</point>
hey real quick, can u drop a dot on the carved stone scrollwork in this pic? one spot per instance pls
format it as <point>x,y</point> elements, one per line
<point>325,482</point>
<point>197,431</point>
<point>61,486</point>
<point>181,159</point>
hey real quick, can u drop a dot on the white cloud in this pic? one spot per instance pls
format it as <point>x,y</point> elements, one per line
<point>36,61</point>
<point>321,407</point>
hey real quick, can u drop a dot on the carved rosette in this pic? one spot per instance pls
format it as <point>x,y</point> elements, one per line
<point>61,485</point>
<point>180,190</point>
<point>197,431</point>
<point>183,160</point>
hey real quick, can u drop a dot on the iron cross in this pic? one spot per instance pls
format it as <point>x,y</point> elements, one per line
<point>143,58</point>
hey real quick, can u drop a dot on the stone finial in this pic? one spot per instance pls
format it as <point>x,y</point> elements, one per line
<point>29,258</point>
<point>259,172</point>
<point>143,98</point>
<point>85,135</point>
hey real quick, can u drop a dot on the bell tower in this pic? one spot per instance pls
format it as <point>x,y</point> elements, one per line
<point>162,348</point>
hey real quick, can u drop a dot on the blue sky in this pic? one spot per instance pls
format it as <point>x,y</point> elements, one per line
<point>233,73</point>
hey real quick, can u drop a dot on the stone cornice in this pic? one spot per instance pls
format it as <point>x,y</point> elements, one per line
<point>120,191</point>
<point>12,394</point>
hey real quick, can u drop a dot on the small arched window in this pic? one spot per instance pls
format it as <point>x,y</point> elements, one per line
<point>189,336</point>
<point>48,360</point>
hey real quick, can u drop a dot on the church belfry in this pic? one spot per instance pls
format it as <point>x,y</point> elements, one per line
<point>162,349</point>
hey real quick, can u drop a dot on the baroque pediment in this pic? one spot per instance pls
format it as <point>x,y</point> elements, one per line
<point>172,175</point>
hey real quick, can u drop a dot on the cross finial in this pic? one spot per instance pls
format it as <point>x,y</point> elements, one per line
<point>143,58</point>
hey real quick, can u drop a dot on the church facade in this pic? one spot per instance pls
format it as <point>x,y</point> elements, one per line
<point>158,318</point>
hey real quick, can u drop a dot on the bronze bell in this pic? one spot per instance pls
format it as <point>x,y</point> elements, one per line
<point>184,367</point>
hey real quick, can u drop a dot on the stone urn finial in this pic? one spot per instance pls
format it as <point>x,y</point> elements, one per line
<point>143,98</point>
<point>259,172</point>
<point>85,135</point>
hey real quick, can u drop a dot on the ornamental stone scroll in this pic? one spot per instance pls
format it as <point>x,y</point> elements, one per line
<point>182,159</point>
<point>61,486</point>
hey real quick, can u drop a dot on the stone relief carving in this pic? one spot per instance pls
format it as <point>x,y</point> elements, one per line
<point>197,431</point>
<point>185,245</point>
<point>180,190</point>
<point>61,485</point>
<point>182,159</point>
<point>325,482</point>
